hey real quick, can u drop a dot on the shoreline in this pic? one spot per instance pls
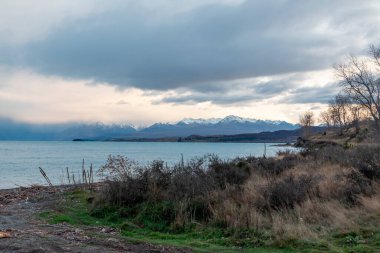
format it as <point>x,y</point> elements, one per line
<point>25,193</point>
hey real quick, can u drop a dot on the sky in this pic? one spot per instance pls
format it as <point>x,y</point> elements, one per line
<point>146,61</point>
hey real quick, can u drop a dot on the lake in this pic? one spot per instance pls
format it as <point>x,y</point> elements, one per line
<point>19,160</point>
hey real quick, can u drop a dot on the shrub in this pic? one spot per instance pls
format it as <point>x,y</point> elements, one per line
<point>186,186</point>
<point>366,160</point>
<point>356,185</point>
<point>244,193</point>
<point>155,216</point>
<point>274,166</point>
<point>327,154</point>
<point>225,173</point>
<point>287,192</point>
<point>190,181</point>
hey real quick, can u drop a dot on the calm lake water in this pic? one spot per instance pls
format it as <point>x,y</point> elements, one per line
<point>19,160</point>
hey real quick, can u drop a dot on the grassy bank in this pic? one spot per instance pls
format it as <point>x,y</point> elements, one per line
<point>320,200</point>
<point>364,238</point>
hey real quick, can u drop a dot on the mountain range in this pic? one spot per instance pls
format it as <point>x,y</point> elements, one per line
<point>230,125</point>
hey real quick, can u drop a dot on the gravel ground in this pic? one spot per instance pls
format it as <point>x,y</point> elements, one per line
<point>22,231</point>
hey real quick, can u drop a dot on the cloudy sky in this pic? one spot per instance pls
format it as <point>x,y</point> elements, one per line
<point>145,61</point>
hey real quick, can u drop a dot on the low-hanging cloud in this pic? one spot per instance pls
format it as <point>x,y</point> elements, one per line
<point>217,99</point>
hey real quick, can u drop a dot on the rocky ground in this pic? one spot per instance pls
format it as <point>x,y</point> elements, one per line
<point>21,230</point>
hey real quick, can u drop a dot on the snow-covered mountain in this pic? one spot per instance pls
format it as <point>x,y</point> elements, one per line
<point>229,125</point>
<point>189,121</point>
<point>228,119</point>
<point>214,126</point>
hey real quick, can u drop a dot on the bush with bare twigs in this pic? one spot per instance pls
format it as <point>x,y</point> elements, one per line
<point>290,194</point>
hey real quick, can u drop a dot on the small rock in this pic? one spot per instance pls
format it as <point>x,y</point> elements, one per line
<point>112,240</point>
<point>4,235</point>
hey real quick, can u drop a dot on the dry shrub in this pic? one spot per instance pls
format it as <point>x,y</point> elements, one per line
<point>367,160</point>
<point>333,154</point>
<point>235,208</point>
<point>127,183</point>
<point>345,185</point>
<point>273,165</point>
<point>286,192</point>
<point>326,215</point>
<point>293,195</point>
<point>226,173</point>
<point>371,204</point>
<point>288,225</point>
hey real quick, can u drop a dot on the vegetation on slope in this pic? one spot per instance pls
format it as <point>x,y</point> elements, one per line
<point>318,200</point>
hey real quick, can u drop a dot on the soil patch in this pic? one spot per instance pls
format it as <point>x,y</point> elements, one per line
<point>21,230</point>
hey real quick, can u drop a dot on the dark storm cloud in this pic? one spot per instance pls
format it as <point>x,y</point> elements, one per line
<point>202,49</point>
<point>276,87</point>
<point>312,94</point>
<point>219,99</point>
<point>241,92</point>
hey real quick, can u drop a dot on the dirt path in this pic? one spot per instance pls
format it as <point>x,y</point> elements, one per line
<point>29,234</point>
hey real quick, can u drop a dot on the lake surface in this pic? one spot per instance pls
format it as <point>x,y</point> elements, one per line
<point>19,160</point>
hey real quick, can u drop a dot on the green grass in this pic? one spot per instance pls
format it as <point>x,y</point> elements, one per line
<point>146,226</point>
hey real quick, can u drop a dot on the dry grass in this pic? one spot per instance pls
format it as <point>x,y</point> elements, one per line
<point>292,196</point>
<point>340,198</point>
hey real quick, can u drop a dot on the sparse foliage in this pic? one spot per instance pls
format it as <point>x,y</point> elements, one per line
<point>327,119</point>
<point>360,82</point>
<point>343,113</point>
<point>307,121</point>
<point>323,186</point>
<point>339,110</point>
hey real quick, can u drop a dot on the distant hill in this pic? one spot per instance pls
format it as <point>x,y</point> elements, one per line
<point>281,136</point>
<point>230,125</point>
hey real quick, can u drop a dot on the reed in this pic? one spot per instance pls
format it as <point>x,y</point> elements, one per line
<point>43,173</point>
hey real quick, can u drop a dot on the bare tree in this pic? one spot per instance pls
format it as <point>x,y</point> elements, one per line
<point>339,109</point>
<point>356,115</point>
<point>326,119</point>
<point>343,113</point>
<point>361,83</point>
<point>307,121</point>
